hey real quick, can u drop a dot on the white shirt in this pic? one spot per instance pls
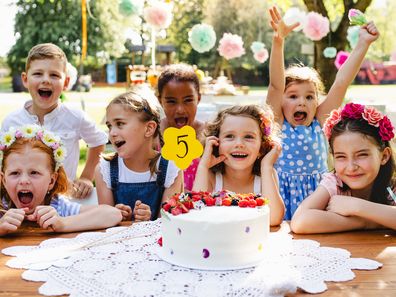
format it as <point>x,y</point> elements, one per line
<point>70,125</point>
<point>219,183</point>
<point>125,175</point>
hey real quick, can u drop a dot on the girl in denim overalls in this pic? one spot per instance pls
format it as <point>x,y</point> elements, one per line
<point>136,179</point>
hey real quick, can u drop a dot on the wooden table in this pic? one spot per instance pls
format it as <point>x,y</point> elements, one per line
<point>378,245</point>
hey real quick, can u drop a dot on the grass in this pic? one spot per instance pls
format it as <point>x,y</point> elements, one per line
<point>5,84</point>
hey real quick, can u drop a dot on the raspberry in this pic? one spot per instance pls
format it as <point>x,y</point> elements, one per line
<point>252,203</point>
<point>243,203</point>
<point>260,201</point>
<point>159,241</point>
<point>226,202</point>
<point>166,206</point>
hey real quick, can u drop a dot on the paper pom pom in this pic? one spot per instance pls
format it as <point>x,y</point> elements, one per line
<point>329,52</point>
<point>231,46</point>
<point>257,46</point>
<point>353,35</point>
<point>71,72</point>
<point>294,15</point>
<point>202,38</point>
<point>158,15</point>
<point>131,7</point>
<point>261,56</point>
<point>356,17</point>
<point>316,26</point>
<point>393,56</point>
<point>340,58</point>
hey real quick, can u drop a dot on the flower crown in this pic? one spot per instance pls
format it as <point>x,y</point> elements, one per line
<point>265,124</point>
<point>34,131</point>
<point>358,111</point>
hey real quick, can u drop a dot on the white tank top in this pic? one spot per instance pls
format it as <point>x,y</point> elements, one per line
<point>219,183</point>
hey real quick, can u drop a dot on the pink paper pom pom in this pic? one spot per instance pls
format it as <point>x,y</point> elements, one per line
<point>158,15</point>
<point>341,58</point>
<point>261,56</point>
<point>231,46</point>
<point>316,26</point>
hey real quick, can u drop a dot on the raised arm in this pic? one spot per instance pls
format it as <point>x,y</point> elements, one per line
<point>312,216</point>
<point>276,86</point>
<point>347,73</point>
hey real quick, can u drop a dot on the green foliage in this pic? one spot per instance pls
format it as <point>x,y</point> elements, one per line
<point>59,22</point>
<point>187,13</point>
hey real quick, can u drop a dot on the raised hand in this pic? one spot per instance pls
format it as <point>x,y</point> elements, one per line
<point>270,158</point>
<point>278,25</point>
<point>11,220</point>
<point>208,160</point>
<point>126,211</point>
<point>369,33</point>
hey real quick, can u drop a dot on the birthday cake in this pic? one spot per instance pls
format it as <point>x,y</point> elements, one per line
<point>214,231</point>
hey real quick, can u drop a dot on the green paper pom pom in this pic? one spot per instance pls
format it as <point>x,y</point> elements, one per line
<point>202,38</point>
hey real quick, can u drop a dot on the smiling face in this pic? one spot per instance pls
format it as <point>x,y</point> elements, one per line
<point>126,130</point>
<point>299,103</point>
<point>357,160</point>
<point>179,100</point>
<point>45,80</point>
<point>27,177</point>
<point>240,141</point>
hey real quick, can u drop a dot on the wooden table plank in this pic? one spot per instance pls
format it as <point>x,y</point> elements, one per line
<point>378,245</point>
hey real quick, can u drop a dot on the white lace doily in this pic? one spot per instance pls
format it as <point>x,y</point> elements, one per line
<point>126,264</point>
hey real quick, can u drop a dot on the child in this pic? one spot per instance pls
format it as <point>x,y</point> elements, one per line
<point>179,95</point>
<point>46,78</point>
<point>296,106</point>
<point>136,177</point>
<point>33,178</point>
<point>240,146</point>
<point>359,194</point>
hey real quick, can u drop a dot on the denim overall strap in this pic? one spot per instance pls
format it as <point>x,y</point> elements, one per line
<point>114,177</point>
<point>149,193</point>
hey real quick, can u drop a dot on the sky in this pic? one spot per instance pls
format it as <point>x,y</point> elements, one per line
<point>7,14</point>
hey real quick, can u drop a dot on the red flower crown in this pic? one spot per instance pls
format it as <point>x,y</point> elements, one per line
<point>359,111</point>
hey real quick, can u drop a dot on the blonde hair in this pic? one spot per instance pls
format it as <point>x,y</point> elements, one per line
<point>300,73</point>
<point>45,51</point>
<point>17,146</point>
<point>146,110</point>
<point>261,114</point>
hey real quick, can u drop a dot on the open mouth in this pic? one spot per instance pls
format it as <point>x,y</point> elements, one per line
<point>239,155</point>
<point>45,93</point>
<point>181,122</point>
<point>25,197</point>
<point>300,116</point>
<point>119,143</point>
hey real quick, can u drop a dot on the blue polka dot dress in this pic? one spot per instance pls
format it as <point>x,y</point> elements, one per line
<point>302,162</point>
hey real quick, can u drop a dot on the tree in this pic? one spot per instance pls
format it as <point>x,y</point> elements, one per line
<point>186,14</point>
<point>337,35</point>
<point>59,22</point>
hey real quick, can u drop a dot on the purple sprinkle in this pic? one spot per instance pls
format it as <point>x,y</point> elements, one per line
<point>247,229</point>
<point>179,231</point>
<point>171,252</point>
<point>205,253</point>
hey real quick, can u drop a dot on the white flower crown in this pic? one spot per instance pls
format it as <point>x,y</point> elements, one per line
<point>34,131</point>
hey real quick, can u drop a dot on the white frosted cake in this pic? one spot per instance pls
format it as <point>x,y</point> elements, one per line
<point>217,237</point>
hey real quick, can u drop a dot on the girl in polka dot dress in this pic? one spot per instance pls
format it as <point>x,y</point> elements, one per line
<point>294,97</point>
